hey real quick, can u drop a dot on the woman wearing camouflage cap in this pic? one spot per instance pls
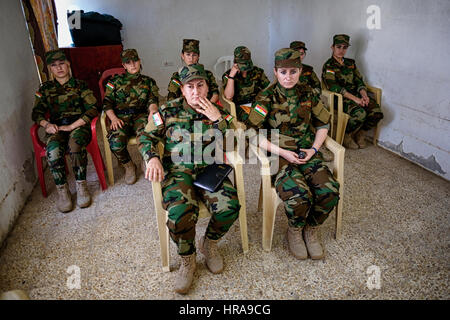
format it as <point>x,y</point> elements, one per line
<point>307,187</point>
<point>129,100</point>
<point>185,117</point>
<point>70,105</point>
<point>341,75</point>
<point>190,54</point>
<point>243,82</point>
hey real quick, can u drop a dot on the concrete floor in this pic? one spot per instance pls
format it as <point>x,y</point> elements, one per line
<point>396,220</point>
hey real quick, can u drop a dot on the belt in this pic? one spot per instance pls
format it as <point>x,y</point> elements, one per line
<point>132,111</point>
<point>66,120</point>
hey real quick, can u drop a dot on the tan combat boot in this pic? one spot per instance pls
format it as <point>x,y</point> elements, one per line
<point>349,143</point>
<point>360,138</point>
<point>130,172</point>
<point>64,203</point>
<point>83,196</point>
<point>296,244</point>
<point>214,260</point>
<point>185,274</point>
<point>311,236</point>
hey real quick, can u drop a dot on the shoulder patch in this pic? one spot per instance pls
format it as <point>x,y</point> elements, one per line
<point>38,94</point>
<point>229,118</point>
<point>261,110</point>
<point>176,82</point>
<point>330,71</point>
<point>110,85</point>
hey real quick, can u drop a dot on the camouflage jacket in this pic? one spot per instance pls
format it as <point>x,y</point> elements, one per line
<point>175,84</point>
<point>174,126</point>
<point>341,78</point>
<point>294,112</point>
<point>70,101</point>
<point>125,91</point>
<point>246,89</point>
<point>309,77</point>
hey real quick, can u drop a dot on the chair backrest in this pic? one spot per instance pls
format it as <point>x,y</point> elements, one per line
<point>105,76</point>
<point>228,63</point>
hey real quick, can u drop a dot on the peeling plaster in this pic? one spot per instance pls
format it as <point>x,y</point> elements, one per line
<point>429,163</point>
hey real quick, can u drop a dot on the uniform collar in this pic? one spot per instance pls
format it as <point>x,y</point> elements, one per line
<point>287,92</point>
<point>70,83</point>
<point>130,76</point>
<point>189,109</point>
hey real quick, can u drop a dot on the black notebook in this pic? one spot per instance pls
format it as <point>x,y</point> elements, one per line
<point>212,176</point>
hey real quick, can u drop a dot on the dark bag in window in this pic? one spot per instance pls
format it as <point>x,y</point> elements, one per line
<point>93,29</point>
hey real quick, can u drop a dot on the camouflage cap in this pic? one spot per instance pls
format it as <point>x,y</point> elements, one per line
<point>297,45</point>
<point>129,54</point>
<point>54,55</point>
<point>191,72</point>
<point>243,58</point>
<point>287,58</point>
<point>341,38</point>
<point>191,45</point>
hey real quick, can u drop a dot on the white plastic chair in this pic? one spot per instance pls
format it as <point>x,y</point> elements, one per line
<point>228,63</point>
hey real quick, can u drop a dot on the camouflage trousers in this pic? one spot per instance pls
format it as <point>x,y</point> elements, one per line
<point>363,118</point>
<point>309,192</point>
<point>180,198</point>
<point>75,143</point>
<point>118,139</point>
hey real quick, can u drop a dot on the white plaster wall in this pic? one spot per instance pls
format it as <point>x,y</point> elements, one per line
<point>156,29</point>
<point>18,82</point>
<point>408,58</point>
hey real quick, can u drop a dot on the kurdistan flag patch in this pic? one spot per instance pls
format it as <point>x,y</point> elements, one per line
<point>38,94</point>
<point>110,85</point>
<point>330,71</point>
<point>176,82</point>
<point>260,110</point>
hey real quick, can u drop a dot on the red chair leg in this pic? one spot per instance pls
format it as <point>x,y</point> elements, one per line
<point>93,149</point>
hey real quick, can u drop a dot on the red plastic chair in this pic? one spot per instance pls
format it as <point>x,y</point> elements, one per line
<point>92,148</point>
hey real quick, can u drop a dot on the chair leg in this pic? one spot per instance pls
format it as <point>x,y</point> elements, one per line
<point>239,182</point>
<point>40,171</point>
<point>93,149</point>
<point>270,204</point>
<point>260,200</point>
<point>161,219</point>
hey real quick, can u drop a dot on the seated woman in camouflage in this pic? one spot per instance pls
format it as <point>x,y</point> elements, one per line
<point>176,120</point>
<point>243,82</point>
<point>129,100</point>
<point>190,55</point>
<point>307,187</point>
<point>70,107</point>
<point>341,75</point>
<point>307,74</point>
<point>309,77</point>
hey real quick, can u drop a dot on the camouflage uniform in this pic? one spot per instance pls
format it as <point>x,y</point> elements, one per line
<point>179,194</point>
<point>308,76</point>
<point>190,45</point>
<point>129,95</point>
<point>64,104</point>
<point>245,89</point>
<point>309,191</point>
<point>346,78</point>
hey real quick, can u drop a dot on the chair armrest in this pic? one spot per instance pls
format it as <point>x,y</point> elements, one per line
<point>339,154</point>
<point>35,136</point>
<point>377,92</point>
